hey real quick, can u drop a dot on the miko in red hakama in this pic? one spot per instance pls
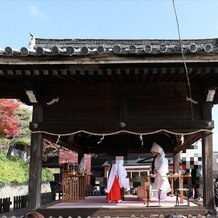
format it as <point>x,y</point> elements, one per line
<point>113,185</point>
<point>114,194</point>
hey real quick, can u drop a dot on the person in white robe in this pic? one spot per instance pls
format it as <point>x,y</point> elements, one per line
<point>161,169</point>
<point>122,175</point>
<point>116,180</point>
<point>113,185</point>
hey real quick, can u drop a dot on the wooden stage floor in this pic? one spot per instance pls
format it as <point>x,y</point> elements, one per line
<point>130,201</point>
<point>97,206</point>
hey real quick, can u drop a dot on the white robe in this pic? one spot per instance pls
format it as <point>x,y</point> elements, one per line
<point>122,174</point>
<point>118,170</point>
<point>113,185</point>
<point>161,181</point>
<point>111,177</point>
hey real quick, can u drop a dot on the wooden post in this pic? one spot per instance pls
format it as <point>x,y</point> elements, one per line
<point>176,162</point>
<point>207,162</point>
<point>207,154</point>
<point>35,169</point>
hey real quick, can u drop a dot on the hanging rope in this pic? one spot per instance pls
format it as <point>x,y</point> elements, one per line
<point>58,139</point>
<point>141,139</point>
<point>184,62</point>
<point>122,131</point>
<point>101,139</point>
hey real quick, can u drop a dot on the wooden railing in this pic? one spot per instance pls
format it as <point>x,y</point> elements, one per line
<point>5,205</point>
<point>21,202</point>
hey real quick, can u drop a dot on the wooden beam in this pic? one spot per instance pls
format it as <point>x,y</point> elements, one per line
<point>73,77</point>
<point>161,74</point>
<point>128,74</point>
<point>153,75</point>
<point>145,74</point>
<point>180,126</point>
<point>171,74</point>
<point>85,74</point>
<point>110,75</point>
<point>104,75</point>
<point>207,110</point>
<point>92,75</point>
<point>119,75</point>
<point>189,140</point>
<point>77,75</point>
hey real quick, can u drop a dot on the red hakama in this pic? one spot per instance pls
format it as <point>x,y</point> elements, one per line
<point>114,194</point>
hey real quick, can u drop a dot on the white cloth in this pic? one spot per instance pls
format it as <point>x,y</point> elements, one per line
<point>117,169</point>
<point>82,168</point>
<point>122,174</point>
<point>111,176</point>
<point>161,169</point>
<point>156,148</point>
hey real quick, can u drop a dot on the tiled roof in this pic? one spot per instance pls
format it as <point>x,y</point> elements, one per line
<point>39,46</point>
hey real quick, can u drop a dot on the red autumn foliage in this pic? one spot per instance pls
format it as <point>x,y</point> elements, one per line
<point>9,123</point>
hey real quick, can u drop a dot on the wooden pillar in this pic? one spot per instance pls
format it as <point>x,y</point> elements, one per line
<point>207,162</point>
<point>207,154</point>
<point>176,162</point>
<point>35,169</point>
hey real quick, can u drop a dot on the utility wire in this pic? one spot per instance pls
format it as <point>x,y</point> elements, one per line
<point>184,62</point>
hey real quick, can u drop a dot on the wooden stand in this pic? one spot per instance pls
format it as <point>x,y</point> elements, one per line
<point>74,186</point>
<point>181,184</point>
<point>172,178</point>
<point>142,192</point>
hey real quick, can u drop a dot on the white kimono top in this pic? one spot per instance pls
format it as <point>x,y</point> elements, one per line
<point>161,181</point>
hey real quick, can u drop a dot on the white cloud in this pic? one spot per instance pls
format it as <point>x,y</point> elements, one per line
<point>35,12</point>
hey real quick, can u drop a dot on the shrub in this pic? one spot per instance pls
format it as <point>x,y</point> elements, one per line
<point>16,170</point>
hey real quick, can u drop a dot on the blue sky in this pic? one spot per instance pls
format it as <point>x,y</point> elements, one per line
<point>115,19</point>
